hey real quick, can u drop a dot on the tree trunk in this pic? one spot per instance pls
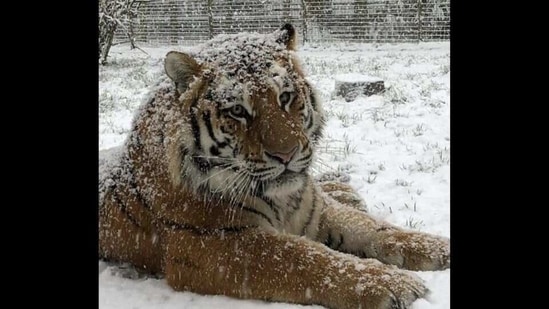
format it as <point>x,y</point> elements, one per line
<point>305,18</point>
<point>106,43</point>
<point>349,86</point>
<point>210,19</point>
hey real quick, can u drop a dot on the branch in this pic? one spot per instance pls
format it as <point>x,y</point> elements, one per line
<point>142,50</point>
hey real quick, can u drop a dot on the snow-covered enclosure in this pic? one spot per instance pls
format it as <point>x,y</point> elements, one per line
<point>394,146</point>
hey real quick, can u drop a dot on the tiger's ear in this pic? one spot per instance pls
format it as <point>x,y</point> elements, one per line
<point>181,68</point>
<point>287,36</point>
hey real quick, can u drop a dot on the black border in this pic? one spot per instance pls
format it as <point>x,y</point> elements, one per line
<point>54,200</point>
<point>481,245</point>
<point>51,198</point>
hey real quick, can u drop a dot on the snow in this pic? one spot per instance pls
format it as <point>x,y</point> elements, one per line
<point>356,77</point>
<point>395,147</point>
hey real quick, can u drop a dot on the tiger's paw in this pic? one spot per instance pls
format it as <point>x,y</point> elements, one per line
<point>414,251</point>
<point>390,288</point>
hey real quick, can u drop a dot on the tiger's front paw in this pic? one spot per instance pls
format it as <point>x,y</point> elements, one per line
<point>388,287</point>
<point>414,250</point>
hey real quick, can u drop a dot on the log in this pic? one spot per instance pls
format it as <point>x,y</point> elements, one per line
<point>351,85</point>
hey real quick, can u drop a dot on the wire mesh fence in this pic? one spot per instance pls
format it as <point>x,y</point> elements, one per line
<point>380,21</point>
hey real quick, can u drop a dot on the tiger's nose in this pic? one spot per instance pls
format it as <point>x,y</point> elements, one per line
<point>282,157</point>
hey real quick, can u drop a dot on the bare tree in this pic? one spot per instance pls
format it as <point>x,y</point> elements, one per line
<point>305,20</point>
<point>210,18</point>
<point>112,13</point>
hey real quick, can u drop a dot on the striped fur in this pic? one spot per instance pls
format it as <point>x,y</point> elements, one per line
<point>212,189</point>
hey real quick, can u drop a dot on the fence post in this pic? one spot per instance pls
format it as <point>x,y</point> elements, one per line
<point>304,8</point>
<point>419,9</point>
<point>210,18</point>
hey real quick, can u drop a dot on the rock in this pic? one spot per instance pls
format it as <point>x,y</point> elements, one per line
<point>349,86</point>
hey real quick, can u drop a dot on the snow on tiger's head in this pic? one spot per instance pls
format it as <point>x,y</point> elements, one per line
<point>252,114</point>
<point>251,58</point>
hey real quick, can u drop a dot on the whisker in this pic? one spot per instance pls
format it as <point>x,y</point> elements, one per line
<point>240,193</point>
<point>243,194</point>
<point>230,183</point>
<point>254,185</point>
<point>236,191</point>
<point>213,157</point>
<point>319,167</point>
<point>228,167</point>
<point>231,189</point>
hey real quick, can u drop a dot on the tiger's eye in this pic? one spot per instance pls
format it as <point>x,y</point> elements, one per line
<point>238,111</point>
<point>284,98</point>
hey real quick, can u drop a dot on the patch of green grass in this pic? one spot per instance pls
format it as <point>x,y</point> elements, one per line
<point>414,223</point>
<point>381,166</point>
<point>345,118</point>
<point>433,102</point>
<point>106,102</point>
<point>419,130</point>
<point>395,95</point>
<point>338,149</point>
<point>445,68</point>
<point>408,206</point>
<point>429,166</point>
<point>403,183</point>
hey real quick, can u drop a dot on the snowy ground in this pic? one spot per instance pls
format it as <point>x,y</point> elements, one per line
<point>395,146</point>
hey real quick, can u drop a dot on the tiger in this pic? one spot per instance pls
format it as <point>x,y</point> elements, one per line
<point>213,191</point>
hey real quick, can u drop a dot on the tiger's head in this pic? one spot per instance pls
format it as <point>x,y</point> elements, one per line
<point>251,118</point>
